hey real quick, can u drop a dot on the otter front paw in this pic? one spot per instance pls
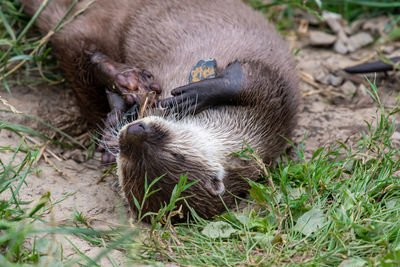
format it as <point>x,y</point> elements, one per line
<point>133,84</point>
<point>196,97</point>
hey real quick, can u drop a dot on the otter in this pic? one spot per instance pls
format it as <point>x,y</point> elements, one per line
<point>117,47</point>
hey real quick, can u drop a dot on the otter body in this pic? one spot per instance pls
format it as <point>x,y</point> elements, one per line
<point>168,38</point>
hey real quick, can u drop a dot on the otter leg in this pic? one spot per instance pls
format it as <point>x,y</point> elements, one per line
<point>129,82</point>
<point>196,97</point>
<point>126,86</point>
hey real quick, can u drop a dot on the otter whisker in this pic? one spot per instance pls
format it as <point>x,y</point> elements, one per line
<point>195,104</point>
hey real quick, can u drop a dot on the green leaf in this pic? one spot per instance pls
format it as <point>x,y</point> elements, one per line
<point>50,261</point>
<point>318,2</point>
<point>349,199</point>
<point>391,204</point>
<point>310,222</point>
<point>218,230</point>
<point>354,262</point>
<point>374,3</point>
<point>243,219</point>
<point>391,259</point>
<point>266,240</point>
<point>20,57</point>
<point>39,204</point>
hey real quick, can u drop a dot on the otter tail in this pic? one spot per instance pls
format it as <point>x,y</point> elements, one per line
<point>52,13</point>
<point>377,66</point>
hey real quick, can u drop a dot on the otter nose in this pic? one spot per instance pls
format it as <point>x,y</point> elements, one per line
<point>136,128</point>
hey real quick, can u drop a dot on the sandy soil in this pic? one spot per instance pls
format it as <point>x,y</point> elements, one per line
<point>98,201</point>
<point>327,113</point>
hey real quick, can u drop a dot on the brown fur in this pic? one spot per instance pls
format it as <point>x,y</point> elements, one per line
<point>168,38</point>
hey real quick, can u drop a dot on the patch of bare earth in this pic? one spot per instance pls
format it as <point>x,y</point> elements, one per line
<point>63,171</point>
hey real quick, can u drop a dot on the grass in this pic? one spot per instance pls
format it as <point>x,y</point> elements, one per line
<point>282,12</point>
<point>27,231</point>
<point>339,206</point>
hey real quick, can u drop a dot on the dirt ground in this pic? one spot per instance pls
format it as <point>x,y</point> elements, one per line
<point>98,201</point>
<point>330,110</point>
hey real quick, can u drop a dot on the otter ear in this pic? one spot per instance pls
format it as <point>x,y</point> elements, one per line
<point>215,185</point>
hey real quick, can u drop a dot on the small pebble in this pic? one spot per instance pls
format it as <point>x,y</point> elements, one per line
<point>340,47</point>
<point>362,90</point>
<point>388,49</point>
<point>335,25</point>
<point>335,80</point>
<point>76,155</point>
<point>318,38</point>
<point>322,77</point>
<point>349,88</point>
<point>356,25</point>
<point>331,15</point>
<point>311,18</point>
<point>375,25</point>
<point>396,135</point>
<point>360,39</point>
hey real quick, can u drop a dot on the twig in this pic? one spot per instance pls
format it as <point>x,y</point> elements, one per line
<point>313,92</point>
<point>46,149</point>
<point>42,150</point>
<point>309,79</point>
<point>282,220</point>
<point>9,106</point>
<point>145,103</point>
<point>63,174</point>
<point>261,164</point>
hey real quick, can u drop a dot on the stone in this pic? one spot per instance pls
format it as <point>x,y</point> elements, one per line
<point>360,40</point>
<point>348,30</point>
<point>337,97</point>
<point>396,135</point>
<point>362,90</point>
<point>375,25</point>
<point>344,94</point>
<point>311,18</point>
<point>335,80</point>
<point>322,77</point>
<point>356,25</point>
<point>335,25</point>
<point>331,15</point>
<point>76,155</point>
<point>340,47</point>
<point>319,38</point>
<point>349,88</point>
<point>363,98</point>
<point>388,49</point>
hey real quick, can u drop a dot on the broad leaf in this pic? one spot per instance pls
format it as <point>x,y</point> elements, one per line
<point>218,229</point>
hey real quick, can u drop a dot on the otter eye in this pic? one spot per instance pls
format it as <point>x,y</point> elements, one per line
<point>178,157</point>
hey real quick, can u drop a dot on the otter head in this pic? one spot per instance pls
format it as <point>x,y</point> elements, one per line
<point>153,147</point>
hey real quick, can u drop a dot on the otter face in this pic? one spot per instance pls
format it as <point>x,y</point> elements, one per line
<point>152,147</point>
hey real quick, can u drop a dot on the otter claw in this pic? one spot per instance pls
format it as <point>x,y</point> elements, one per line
<point>129,82</point>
